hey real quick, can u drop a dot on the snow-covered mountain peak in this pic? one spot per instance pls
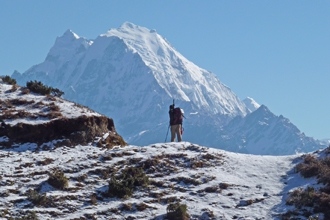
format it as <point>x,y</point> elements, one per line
<point>180,78</point>
<point>264,110</point>
<point>66,47</point>
<point>70,35</point>
<point>251,104</point>
<point>139,39</point>
<point>129,25</point>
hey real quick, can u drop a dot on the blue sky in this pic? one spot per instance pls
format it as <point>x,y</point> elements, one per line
<point>277,52</point>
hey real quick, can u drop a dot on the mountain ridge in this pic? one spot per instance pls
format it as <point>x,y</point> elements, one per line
<point>133,74</point>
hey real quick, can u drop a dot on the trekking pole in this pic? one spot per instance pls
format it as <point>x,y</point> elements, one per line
<point>167,132</point>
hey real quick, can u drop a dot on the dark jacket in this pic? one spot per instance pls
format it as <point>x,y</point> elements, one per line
<point>175,116</point>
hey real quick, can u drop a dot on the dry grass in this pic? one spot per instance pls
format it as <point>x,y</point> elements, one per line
<point>186,180</point>
<point>46,161</point>
<point>25,91</point>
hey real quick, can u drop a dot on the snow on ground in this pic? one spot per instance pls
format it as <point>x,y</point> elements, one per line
<point>214,184</point>
<point>36,106</point>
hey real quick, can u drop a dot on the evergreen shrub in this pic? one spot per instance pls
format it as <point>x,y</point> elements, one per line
<point>40,88</point>
<point>9,80</point>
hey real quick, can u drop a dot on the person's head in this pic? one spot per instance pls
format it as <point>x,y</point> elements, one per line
<point>171,107</point>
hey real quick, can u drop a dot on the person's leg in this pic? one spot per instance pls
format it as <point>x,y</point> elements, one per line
<point>179,133</point>
<point>172,133</point>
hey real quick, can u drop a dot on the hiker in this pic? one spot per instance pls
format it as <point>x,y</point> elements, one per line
<point>176,116</point>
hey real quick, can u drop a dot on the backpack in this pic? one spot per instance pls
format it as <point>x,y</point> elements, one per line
<point>177,116</point>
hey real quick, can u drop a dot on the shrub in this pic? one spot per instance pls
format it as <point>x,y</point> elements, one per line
<point>52,115</point>
<point>58,180</point>
<point>36,198</point>
<point>324,175</point>
<point>14,88</point>
<point>186,180</point>
<point>38,87</point>
<point>45,162</point>
<point>224,185</point>
<point>126,207</point>
<point>310,167</point>
<point>56,92</point>
<point>177,211</point>
<point>322,204</point>
<point>301,197</point>
<point>25,91</point>
<point>141,206</point>
<point>42,89</point>
<point>93,199</point>
<point>29,216</point>
<point>9,80</point>
<point>319,200</point>
<point>123,185</point>
<point>211,189</point>
<point>53,107</point>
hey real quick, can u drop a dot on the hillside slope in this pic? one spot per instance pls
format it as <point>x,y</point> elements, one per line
<point>214,184</point>
<point>31,117</point>
<point>90,174</point>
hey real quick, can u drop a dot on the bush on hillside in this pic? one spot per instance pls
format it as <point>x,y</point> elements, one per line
<point>36,198</point>
<point>302,197</point>
<point>177,211</point>
<point>40,88</point>
<point>310,167</point>
<point>28,216</point>
<point>56,92</point>
<point>317,199</point>
<point>58,180</point>
<point>9,80</point>
<point>123,185</point>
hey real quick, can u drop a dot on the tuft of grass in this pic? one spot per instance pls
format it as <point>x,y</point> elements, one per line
<point>211,189</point>
<point>25,91</point>
<point>28,216</point>
<point>126,207</point>
<point>224,185</point>
<point>14,88</point>
<point>93,199</point>
<point>46,161</point>
<point>186,180</point>
<point>141,206</point>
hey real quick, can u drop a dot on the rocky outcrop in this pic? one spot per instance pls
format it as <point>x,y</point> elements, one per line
<point>69,131</point>
<point>28,117</point>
